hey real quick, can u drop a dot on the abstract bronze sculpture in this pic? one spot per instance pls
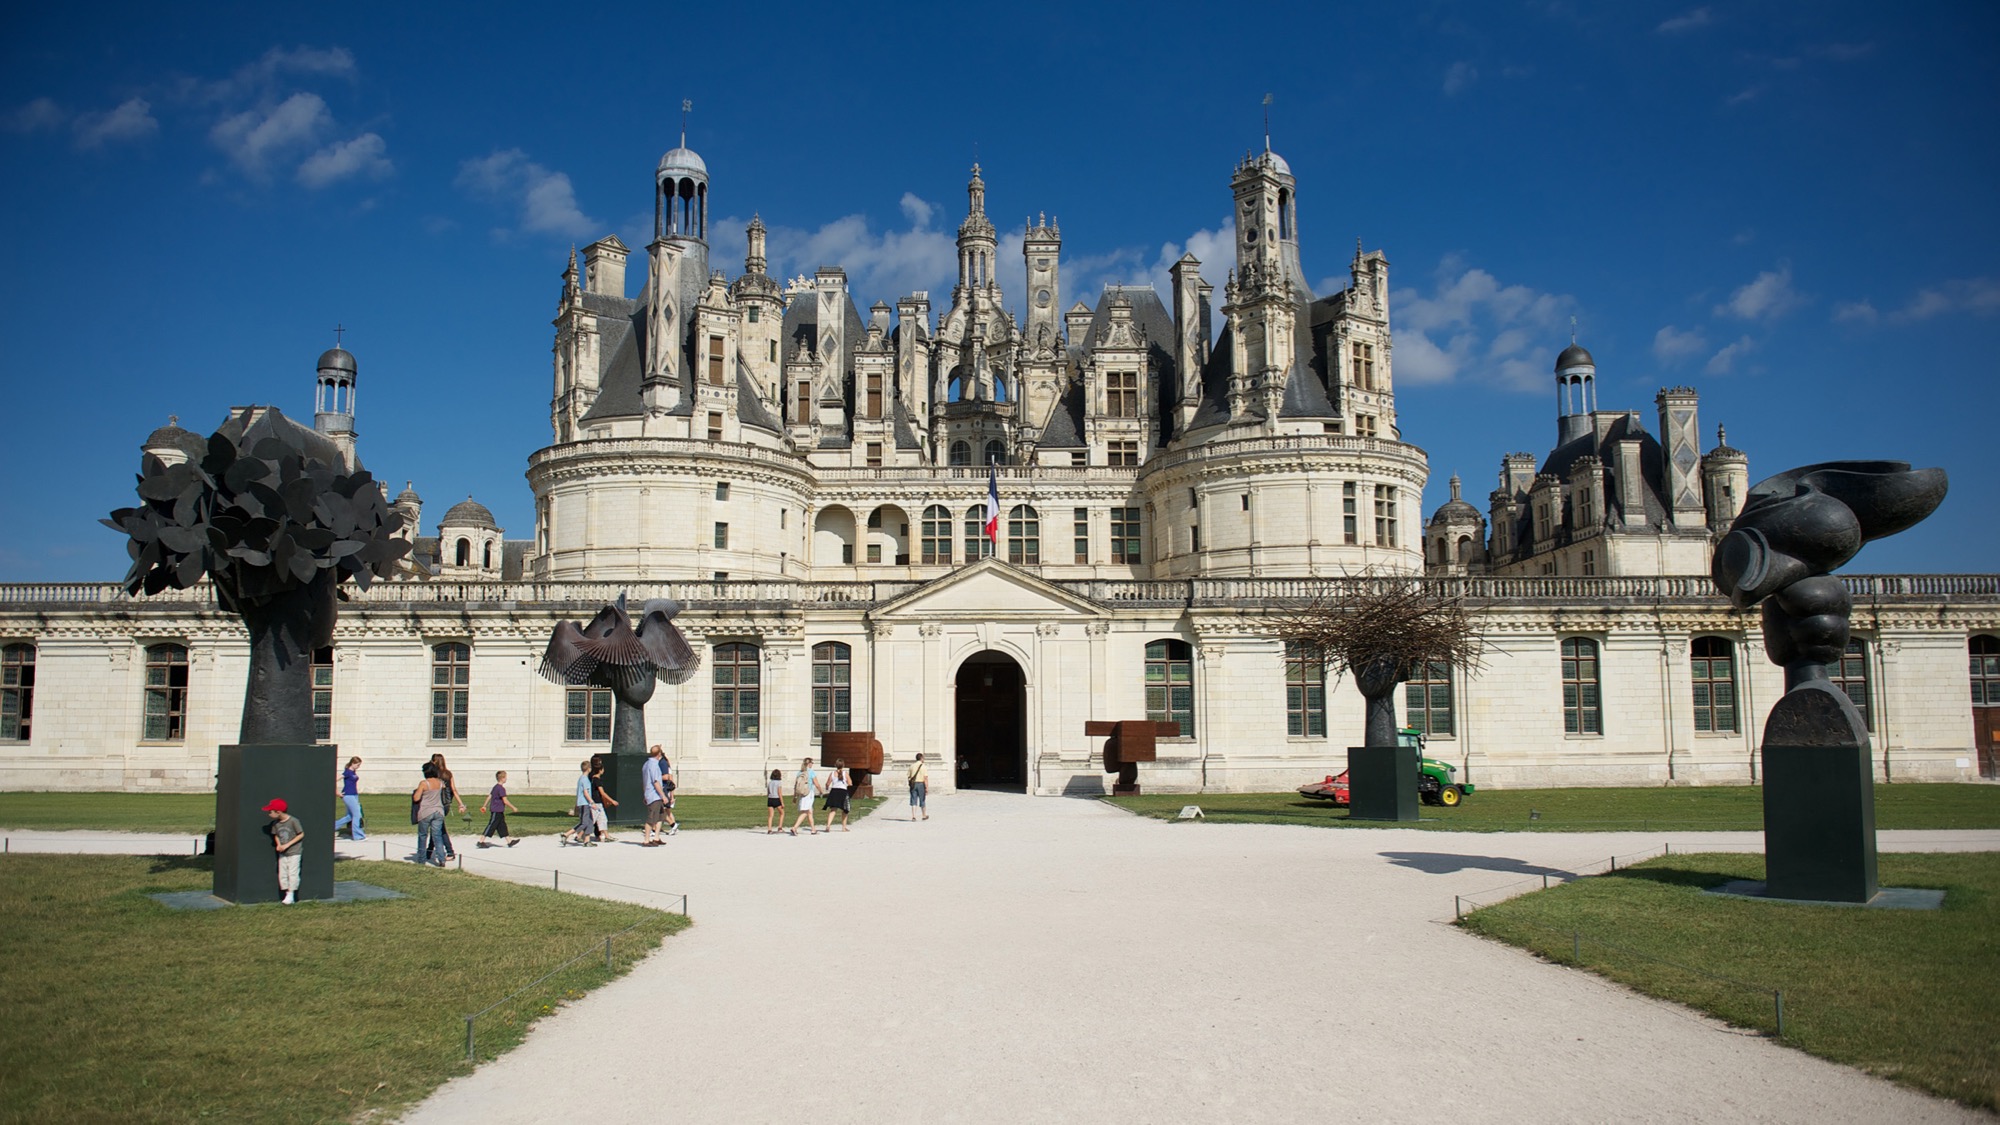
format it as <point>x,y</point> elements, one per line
<point>272,516</point>
<point>1127,743</point>
<point>1795,528</point>
<point>610,652</point>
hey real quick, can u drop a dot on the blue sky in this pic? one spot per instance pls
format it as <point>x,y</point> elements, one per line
<point>1789,207</point>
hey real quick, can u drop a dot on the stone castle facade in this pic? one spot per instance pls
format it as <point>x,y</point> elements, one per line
<point>812,482</point>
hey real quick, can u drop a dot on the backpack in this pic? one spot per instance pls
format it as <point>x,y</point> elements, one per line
<point>800,785</point>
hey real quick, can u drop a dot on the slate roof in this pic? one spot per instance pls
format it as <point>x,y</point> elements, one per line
<point>1065,422</point>
<point>749,406</point>
<point>906,435</point>
<point>1605,449</point>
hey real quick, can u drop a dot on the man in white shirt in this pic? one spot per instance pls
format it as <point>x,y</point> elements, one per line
<point>656,794</point>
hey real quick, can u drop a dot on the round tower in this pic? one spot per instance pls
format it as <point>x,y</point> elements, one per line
<point>171,445</point>
<point>1455,537</point>
<point>1725,479</point>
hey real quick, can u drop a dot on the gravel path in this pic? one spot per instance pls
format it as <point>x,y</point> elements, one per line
<point>1058,960</point>
<point>1044,959</point>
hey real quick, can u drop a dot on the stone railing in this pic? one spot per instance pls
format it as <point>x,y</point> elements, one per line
<point>1110,592</point>
<point>1287,443</point>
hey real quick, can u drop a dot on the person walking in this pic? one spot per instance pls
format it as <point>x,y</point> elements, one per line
<point>288,837</point>
<point>429,798</point>
<point>496,808</point>
<point>350,795</point>
<point>920,778</point>
<point>671,786</point>
<point>450,796</point>
<point>805,786</point>
<point>585,823</point>
<point>774,802</point>
<point>836,795</point>
<point>601,799</point>
<point>656,794</point>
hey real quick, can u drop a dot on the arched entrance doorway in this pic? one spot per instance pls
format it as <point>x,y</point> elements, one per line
<point>991,740</point>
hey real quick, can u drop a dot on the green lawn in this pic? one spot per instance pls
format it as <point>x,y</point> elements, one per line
<point>119,1009</point>
<point>194,813</point>
<point>1909,995</point>
<point>1654,809</point>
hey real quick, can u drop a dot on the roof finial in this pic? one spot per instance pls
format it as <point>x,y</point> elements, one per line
<point>173,419</point>
<point>337,330</point>
<point>1267,122</point>
<point>687,104</point>
<point>1721,435</point>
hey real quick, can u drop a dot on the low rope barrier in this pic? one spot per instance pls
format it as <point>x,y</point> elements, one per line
<point>471,1048</point>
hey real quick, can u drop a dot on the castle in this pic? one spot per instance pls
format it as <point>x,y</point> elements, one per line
<point>814,482</point>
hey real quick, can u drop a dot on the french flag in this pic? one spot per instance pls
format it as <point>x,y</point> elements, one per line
<point>993,504</point>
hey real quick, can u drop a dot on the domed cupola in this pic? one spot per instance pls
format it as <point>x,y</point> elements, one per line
<point>173,445</point>
<point>1455,537</point>
<point>1576,392</point>
<point>1725,482</point>
<point>680,196</point>
<point>469,543</point>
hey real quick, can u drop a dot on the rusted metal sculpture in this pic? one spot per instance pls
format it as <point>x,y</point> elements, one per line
<point>859,751</point>
<point>1795,528</point>
<point>1127,743</point>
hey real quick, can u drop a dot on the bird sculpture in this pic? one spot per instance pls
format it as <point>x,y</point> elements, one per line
<point>610,652</point>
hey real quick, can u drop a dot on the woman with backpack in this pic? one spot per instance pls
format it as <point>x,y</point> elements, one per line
<point>805,786</point>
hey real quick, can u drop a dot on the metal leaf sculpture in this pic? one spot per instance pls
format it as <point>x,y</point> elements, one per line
<point>611,653</point>
<point>273,520</point>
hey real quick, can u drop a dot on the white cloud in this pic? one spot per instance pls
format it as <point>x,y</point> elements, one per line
<point>1768,297</point>
<point>1724,361</point>
<point>1856,312</point>
<point>916,210</point>
<point>132,120</point>
<point>36,116</point>
<point>1687,21</point>
<point>546,199</point>
<point>1471,326</point>
<point>262,78</point>
<point>1458,76</point>
<point>363,157</point>
<point>254,138</point>
<point>1745,95</point>
<point>1671,345</point>
<point>1977,295</point>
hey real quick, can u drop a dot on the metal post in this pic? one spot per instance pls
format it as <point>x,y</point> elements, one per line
<point>558,880</point>
<point>1457,914</point>
<point>1576,946</point>
<point>1778,998</point>
<point>461,861</point>
<point>1670,847</point>
<point>1614,863</point>
<point>1545,880</point>
<point>385,851</point>
<point>607,953</point>
<point>468,1038</point>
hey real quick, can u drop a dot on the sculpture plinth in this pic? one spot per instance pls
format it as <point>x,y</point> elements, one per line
<point>1127,743</point>
<point>859,751</point>
<point>246,866</point>
<point>1819,784</point>
<point>1382,782</point>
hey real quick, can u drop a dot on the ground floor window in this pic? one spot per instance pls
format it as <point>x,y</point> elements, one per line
<point>1851,676</point>
<point>1170,684</point>
<point>832,697</point>
<point>1305,691</point>
<point>1427,701</point>
<point>1714,669</point>
<point>1583,708</point>
<point>451,691</point>
<point>17,692</point>
<point>166,693</point>
<point>587,715</point>
<point>738,692</point>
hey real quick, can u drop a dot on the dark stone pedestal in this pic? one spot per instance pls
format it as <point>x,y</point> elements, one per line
<point>246,865</point>
<point>1382,782</point>
<point>1819,823</point>
<point>624,779</point>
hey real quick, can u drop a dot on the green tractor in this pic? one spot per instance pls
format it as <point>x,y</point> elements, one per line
<point>1436,781</point>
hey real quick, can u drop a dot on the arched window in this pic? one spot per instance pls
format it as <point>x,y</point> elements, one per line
<point>322,677</point>
<point>999,389</point>
<point>1851,676</point>
<point>996,453</point>
<point>17,692</point>
<point>961,453</point>
<point>451,691</point>
<point>1170,684</point>
<point>738,691</point>
<point>977,546</point>
<point>1024,536</point>
<point>955,392</point>
<point>832,676</point>
<point>488,562</point>
<point>1465,548</point>
<point>1583,711</point>
<point>464,551</point>
<point>1714,671</point>
<point>166,693</point>
<point>937,534</point>
<point>1284,213</point>
<point>1427,700</point>
<point>1305,691</point>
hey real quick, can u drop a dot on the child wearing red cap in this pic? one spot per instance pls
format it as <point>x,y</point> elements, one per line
<point>288,837</point>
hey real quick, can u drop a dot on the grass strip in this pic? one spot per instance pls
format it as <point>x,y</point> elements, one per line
<point>1908,995</point>
<point>194,813</point>
<point>121,1009</point>
<point>1717,808</point>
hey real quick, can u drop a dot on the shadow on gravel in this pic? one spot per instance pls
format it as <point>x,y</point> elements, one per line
<point>1444,863</point>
